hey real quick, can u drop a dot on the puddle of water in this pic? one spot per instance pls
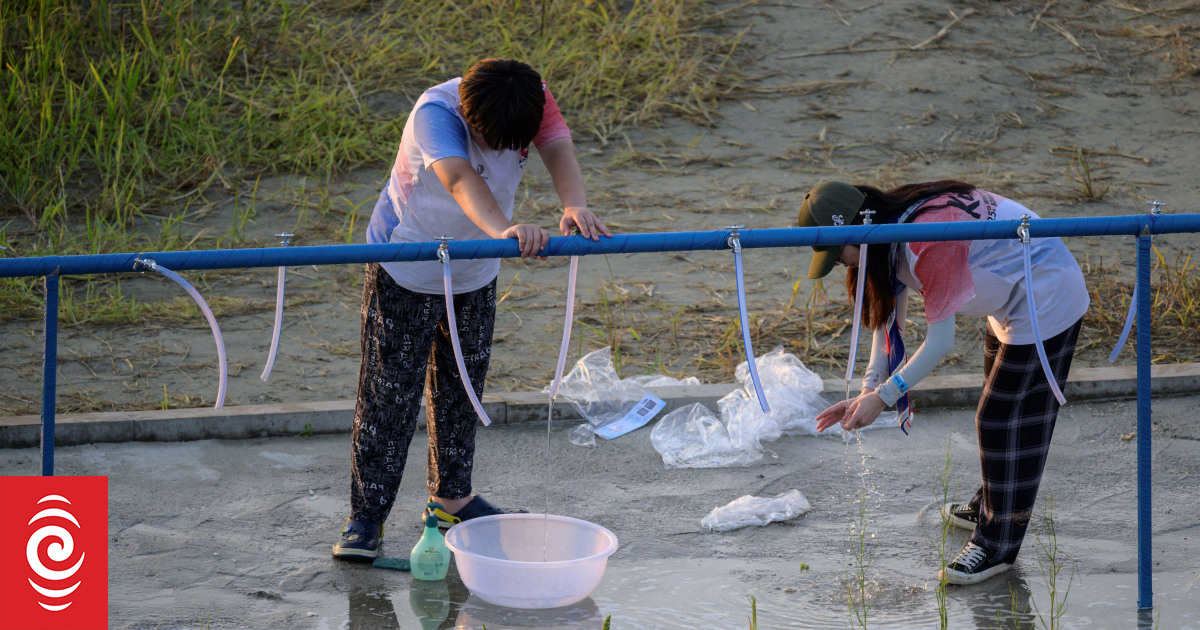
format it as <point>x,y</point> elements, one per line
<point>713,593</point>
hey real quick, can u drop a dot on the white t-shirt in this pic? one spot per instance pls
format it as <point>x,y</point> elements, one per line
<point>415,206</point>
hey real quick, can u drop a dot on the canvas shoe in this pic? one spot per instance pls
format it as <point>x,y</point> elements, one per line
<point>475,508</point>
<point>360,540</point>
<point>961,516</point>
<point>972,566</point>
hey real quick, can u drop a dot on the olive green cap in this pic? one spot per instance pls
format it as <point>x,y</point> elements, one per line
<point>829,204</point>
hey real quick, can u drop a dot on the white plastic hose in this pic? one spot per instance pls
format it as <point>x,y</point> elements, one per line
<point>1037,335</point>
<point>212,323</point>
<point>741,291</point>
<point>854,328</point>
<point>458,357</point>
<point>278,324</point>
<point>566,338</point>
<point>1129,319</point>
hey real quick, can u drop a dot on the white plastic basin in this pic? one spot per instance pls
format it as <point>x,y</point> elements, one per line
<point>500,558</point>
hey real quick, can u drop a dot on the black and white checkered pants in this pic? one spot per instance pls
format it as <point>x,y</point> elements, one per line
<point>406,350</point>
<point>1015,421</point>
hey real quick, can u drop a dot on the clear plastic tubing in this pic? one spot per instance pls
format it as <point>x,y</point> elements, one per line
<point>278,324</point>
<point>854,328</point>
<point>458,357</point>
<point>741,292</point>
<point>566,338</point>
<point>1037,335</point>
<point>212,323</point>
<point>1129,319</point>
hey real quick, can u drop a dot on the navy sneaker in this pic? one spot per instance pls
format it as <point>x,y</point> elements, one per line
<point>961,516</point>
<point>475,508</point>
<point>972,566</point>
<point>360,540</point>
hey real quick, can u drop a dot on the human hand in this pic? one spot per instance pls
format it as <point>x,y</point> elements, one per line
<point>530,238</point>
<point>852,414</point>
<point>582,218</point>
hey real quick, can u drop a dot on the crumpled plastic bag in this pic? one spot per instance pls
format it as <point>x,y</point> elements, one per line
<point>793,393</point>
<point>692,437</point>
<point>750,510</point>
<point>595,391</point>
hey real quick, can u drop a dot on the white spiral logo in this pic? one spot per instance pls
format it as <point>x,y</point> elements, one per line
<point>59,551</point>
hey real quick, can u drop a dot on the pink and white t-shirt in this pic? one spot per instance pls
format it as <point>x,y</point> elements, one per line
<point>987,278</point>
<point>415,206</point>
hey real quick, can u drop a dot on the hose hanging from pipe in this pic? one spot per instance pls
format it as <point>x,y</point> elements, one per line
<point>212,321</point>
<point>1155,209</point>
<point>566,338</point>
<point>735,244</point>
<point>282,280</point>
<point>858,296</point>
<point>1023,232</point>
<point>443,255</point>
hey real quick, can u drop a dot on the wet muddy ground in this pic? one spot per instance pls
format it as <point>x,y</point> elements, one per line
<point>233,534</point>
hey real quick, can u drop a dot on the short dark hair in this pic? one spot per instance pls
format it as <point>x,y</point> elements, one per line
<point>503,100</point>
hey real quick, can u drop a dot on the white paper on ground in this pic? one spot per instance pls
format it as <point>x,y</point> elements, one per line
<point>642,412</point>
<point>750,510</point>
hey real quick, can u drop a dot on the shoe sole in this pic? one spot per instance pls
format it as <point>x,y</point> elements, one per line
<point>355,554</point>
<point>962,579</point>
<point>957,521</point>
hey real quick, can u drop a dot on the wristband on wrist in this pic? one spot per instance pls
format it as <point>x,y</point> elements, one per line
<point>900,384</point>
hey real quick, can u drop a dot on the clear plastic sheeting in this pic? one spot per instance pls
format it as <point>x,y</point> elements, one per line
<point>582,435</point>
<point>692,437</point>
<point>793,390</point>
<point>599,395</point>
<point>750,510</point>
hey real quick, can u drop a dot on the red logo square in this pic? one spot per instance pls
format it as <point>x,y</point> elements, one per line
<point>53,553</point>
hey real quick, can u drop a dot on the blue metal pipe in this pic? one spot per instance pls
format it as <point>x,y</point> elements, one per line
<point>49,375</point>
<point>580,246</point>
<point>1144,315</point>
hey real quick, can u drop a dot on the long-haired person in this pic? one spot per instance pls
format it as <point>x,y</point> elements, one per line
<point>1016,413</point>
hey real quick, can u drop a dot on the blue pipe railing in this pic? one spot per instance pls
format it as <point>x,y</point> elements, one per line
<point>580,246</point>
<point>1141,226</point>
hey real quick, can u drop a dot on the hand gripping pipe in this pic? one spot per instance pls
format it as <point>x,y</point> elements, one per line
<point>212,321</point>
<point>444,256</point>
<point>735,244</point>
<point>566,338</point>
<point>1155,209</point>
<point>1023,232</point>
<point>266,373</point>
<point>858,296</point>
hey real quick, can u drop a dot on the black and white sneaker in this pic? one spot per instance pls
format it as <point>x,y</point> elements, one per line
<point>961,516</point>
<point>972,566</point>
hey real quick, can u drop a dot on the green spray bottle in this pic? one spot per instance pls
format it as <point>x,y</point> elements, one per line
<point>430,558</point>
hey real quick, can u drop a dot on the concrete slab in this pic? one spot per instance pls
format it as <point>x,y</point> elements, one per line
<point>513,407</point>
<point>237,533</point>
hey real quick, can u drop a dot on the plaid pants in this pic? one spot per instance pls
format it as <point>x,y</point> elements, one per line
<point>1015,421</point>
<point>406,350</point>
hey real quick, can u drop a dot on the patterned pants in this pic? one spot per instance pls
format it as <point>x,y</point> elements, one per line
<point>1015,421</point>
<point>406,351</point>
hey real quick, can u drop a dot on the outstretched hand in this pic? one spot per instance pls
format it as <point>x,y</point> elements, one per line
<point>852,414</point>
<point>582,218</point>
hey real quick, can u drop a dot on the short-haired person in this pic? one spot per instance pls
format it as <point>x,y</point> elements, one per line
<point>461,157</point>
<point>986,278</point>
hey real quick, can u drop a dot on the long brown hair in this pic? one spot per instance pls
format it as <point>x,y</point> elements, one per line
<point>878,299</point>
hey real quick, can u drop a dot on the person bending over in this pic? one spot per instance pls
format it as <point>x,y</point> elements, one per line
<point>461,157</point>
<point>1016,413</point>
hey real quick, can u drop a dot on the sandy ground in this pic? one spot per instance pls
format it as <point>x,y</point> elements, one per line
<point>236,534</point>
<point>877,92</point>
